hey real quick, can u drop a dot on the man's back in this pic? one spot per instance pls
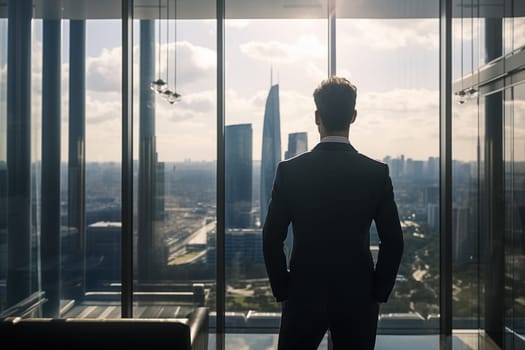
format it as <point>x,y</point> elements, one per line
<point>332,194</point>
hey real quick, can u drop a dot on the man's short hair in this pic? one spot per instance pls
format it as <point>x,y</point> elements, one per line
<point>335,101</point>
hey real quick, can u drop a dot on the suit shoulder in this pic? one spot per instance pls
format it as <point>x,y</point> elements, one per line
<point>372,162</point>
<point>296,159</point>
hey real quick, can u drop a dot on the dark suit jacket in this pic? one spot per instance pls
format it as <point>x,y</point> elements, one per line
<point>331,195</point>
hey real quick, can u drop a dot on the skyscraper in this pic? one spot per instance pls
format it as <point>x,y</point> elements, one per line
<point>271,148</point>
<point>238,195</point>
<point>297,144</point>
<point>148,244</point>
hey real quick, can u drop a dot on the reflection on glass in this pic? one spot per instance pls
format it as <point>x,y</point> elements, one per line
<point>514,212</point>
<point>465,256</point>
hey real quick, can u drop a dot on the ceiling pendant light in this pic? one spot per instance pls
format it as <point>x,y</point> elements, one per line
<point>159,85</point>
<point>171,95</point>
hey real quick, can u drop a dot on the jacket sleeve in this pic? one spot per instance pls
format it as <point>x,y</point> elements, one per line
<point>274,233</point>
<point>391,238</point>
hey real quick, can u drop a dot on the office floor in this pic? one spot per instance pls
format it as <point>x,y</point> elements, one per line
<point>467,340</point>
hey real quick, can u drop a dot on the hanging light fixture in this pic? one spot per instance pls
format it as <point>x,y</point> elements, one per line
<point>175,96</point>
<point>171,95</point>
<point>159,85</point>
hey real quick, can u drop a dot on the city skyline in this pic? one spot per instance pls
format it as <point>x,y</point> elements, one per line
<point>298,55</point>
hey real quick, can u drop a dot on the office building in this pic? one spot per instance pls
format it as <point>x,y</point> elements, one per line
<point>244,248</point>
<point>102,255</point>
<point>297,144</point>
<point>271,148</point>
<point>239,165</point>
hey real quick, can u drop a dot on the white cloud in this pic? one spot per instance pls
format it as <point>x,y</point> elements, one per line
<point>187,129</point>
<point>389,34</point>
<point>401,121</point>
<point>99,111</point>
<point>409,101</point>
<point>305,48</point>
<point>194,62</point>
<point>104,72</point>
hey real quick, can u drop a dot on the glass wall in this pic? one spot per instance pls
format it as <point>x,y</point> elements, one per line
<point>272,68</point>
<point>514,26</point>
<point>20,153</point>
<point>60,164</point>
<point>394,64</point>
<point>94,177</point>
<point>174,160</point>
<point>467,185</point>
<point>487,142</point>
<point>514,215</point>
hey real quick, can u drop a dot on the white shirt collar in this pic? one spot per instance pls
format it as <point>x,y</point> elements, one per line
<point>340,139</point>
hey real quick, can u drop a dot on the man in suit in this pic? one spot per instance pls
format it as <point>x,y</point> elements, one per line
<point>331,195</point>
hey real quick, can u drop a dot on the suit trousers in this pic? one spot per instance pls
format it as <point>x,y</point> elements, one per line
<point>303,329</point>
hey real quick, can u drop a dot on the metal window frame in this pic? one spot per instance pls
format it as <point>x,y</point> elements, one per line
<point>127,160</point>
<point>445,174</point>
<point>220,273</point>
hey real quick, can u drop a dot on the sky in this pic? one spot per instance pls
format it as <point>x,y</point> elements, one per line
<point>393,63</point>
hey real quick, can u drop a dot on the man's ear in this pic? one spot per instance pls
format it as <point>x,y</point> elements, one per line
<point>317,118</point>
<point>354,116</point>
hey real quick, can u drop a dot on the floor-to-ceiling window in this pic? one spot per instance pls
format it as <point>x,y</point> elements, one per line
<point>175,219</point>
<point>514,157</point>
<point>395,66</point>
<point>468,174</point>
<point>272,68</point>
<point>486,148</point>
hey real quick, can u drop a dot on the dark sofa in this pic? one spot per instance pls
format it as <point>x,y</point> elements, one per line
<point>129,333</point>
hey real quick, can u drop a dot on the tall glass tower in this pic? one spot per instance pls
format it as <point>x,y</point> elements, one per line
<point>297,144</point>
<point>238,175</point>
<point>271,147</point>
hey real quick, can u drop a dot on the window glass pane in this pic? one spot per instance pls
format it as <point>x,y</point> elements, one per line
<point>465,216</point>
<point>465,172</point>
<point>36,155</point>
<point>515,211</point>
<point>508,23</point>
<point>20,153</point>
<point>175,160</point>
<point>103,154</point>
<point>395,63</point>
<point>272,69</point>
